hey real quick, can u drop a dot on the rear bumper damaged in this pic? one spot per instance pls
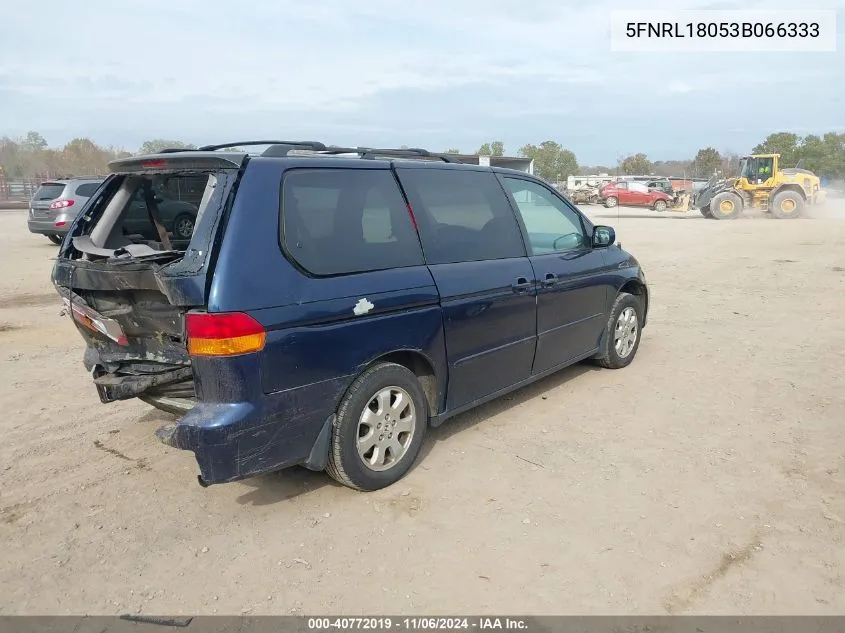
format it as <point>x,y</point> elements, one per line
<point>111,387</point>
<point>232,441</point>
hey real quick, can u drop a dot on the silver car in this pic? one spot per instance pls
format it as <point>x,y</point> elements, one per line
<point>56,203</point>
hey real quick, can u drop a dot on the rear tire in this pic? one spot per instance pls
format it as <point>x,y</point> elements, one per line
<point>725,206</point>
<point>56,239</point>
<point>787,205</point>
<point>624,327</point>
<point>379,428</point>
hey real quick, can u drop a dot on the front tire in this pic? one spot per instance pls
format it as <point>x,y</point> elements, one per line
<point>725,206</point>
<point>379,428</point>
<point>706,213</point>
<point>660,205</point>
<point>611,202</point>
<point>623,332</point>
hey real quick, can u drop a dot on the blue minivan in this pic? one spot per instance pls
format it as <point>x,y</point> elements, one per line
<point>333,303</point>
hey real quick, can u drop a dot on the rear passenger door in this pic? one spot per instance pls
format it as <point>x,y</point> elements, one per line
<point>474,249</point>
<point>573,292</point>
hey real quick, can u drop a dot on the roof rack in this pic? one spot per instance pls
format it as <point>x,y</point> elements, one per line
<point>372,153</point>
<point>313,145</point>
<point>281,148</point>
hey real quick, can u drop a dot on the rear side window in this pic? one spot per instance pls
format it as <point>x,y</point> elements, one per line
<point>340,221</point>
<point>463,216</point>
<point>87,190</point>
<point>49,191</point>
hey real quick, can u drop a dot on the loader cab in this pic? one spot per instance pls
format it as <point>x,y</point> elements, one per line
<point>758,169</point>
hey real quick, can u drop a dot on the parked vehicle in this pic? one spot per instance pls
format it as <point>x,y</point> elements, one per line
<point>56,203</point>
<point>330,307</point>
<point>584,194</point>
<point>178,217</point>
<point>633,194</point>
<point>662,184</point>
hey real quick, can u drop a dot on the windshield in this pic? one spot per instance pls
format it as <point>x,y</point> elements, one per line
<point>757,168</point>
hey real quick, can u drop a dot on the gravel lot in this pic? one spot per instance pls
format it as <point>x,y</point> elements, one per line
<point>708,477</point>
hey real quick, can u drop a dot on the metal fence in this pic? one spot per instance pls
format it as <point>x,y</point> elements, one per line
<point>19,190</point>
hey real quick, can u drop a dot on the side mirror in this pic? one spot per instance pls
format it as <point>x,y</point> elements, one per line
<point>603,236</point>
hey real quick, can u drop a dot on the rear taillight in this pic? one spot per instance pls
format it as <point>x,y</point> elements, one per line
<point>59,223</point>
<point>61,204</point>
<point>223,334</point>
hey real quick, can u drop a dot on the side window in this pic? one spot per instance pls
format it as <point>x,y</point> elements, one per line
<point>87,190</point>
<point>463,215</point>
<point>340,221</point>
<point>551,225</point>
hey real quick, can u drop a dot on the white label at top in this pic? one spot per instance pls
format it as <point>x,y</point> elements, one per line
<point>644,30</point>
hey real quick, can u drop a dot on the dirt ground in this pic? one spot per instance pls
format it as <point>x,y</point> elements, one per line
<point>707,477</point>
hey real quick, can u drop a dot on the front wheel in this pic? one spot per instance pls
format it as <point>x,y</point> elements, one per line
<point>611,202</point>
<point>660,205</point>
<point>725,206</point>
<point>379,428</point>
<point>56,239</point>
<point>623,332</point>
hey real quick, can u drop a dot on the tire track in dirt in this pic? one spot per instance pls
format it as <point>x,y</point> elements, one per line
<point>681,600</point>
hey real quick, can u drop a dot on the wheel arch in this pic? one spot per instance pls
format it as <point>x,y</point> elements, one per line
<point>422,367</point>
<point>789,187</point>
<point>639,289</point>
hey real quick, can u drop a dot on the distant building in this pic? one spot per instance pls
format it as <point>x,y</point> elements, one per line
<point>573,182</point>
<point>508,162</point>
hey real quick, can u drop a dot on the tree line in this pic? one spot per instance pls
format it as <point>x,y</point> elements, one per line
<point>31,157</point>
<point>824,155</point>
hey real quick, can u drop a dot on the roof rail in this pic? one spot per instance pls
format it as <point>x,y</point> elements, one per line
<point>315,145</point>
<point>372,153</point>
<point>281,148</point>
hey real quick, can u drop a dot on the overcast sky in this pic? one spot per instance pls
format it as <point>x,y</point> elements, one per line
<point>426,73</point>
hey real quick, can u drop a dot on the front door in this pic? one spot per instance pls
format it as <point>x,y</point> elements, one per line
<point>474,249</point>
<point>573,294</point>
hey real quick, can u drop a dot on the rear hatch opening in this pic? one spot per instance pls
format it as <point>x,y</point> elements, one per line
<point>138,259</point>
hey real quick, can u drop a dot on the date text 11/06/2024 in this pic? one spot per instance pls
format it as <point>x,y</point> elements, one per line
<point>417,624</point>
<point>722,29</point>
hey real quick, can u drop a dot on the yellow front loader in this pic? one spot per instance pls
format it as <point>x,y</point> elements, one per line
<point>761,184</point>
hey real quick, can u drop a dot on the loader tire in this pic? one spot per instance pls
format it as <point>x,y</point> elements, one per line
<point>787,205</point>
<point>706,213</point>
<point>725,206</point>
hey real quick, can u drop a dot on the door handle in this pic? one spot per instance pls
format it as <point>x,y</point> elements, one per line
<point>550,279</point>
<point>521,284</point>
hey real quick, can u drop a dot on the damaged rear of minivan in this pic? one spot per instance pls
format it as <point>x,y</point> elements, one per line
<point>138,259</point>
